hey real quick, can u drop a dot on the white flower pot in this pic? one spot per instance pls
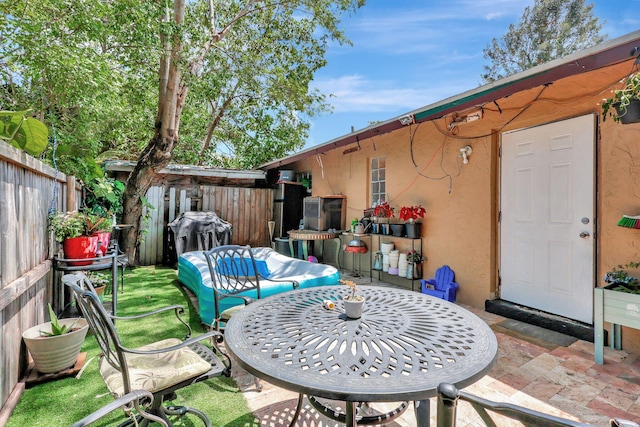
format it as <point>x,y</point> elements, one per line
<point>55,353</point>
<point>353,308</point>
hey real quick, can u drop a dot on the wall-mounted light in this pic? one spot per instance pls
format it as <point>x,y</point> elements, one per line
<point>406,120</point>
<point>465,152</point>
<point>465,117</point>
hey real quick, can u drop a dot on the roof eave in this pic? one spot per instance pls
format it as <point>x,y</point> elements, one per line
<point>125,166</point>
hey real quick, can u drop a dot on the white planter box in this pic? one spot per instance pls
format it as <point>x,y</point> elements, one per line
<point>618,308</point>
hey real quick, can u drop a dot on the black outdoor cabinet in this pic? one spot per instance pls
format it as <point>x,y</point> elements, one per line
<point>287,207</point>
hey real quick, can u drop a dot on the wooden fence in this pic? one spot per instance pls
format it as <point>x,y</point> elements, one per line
<point>27,190</point>
<point>248,209</point>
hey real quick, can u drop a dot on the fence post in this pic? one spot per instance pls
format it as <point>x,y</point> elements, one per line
<point>71,193</point>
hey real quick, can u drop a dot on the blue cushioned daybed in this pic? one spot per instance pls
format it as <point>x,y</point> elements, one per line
<point>193,272</point>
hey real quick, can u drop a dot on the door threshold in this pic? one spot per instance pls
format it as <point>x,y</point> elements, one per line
<point>539,318</point>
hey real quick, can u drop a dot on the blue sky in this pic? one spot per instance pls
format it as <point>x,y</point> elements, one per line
<point>409,53</point>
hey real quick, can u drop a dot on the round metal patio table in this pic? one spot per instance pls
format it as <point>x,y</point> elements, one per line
<point>403,346</point>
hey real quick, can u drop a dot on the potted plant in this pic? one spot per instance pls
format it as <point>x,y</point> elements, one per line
<point>55,345</point>
<point>617,302</point>
<point>100,282</point>
<point>411,214</point>
<point>382,212</point>
<point>100,227</point>
<point>76,231</point>
<point>353,303</point>
<point>414,261</point>
<point>625,102</point>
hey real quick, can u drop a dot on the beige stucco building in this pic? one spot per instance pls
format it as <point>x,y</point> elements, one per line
<point>532,217</point>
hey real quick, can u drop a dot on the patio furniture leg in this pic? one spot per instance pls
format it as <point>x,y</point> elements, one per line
<point>423,413</point>
<point>296,414</point>
<point>616,336</point>
<point>598,326</point>
<point>350,408</point>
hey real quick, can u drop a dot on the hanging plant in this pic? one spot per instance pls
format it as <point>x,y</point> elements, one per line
<point>624,101</point>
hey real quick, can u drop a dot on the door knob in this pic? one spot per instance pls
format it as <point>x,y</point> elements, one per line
<point>584,235</point>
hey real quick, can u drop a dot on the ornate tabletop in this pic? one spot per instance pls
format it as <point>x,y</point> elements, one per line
<point>312,235</point>
<point>403,346</point>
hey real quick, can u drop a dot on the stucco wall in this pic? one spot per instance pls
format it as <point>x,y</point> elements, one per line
<point>461,226</point>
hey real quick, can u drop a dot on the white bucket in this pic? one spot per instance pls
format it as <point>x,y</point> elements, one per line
<point>402,261</point>
<point>394,256</point>
<point>385,248</point>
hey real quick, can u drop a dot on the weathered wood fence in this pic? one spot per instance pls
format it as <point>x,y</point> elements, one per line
<point>248,209</point>
<point>27,189</point>
<point>30,188</point>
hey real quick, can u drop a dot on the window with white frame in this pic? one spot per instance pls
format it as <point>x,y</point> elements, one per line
<point>378,187</point>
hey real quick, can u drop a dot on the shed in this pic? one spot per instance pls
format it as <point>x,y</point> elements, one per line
<point>241,198</point>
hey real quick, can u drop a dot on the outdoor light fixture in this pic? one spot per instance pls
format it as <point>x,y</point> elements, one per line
<point>465,152</point>
<point>465,117</point>
<point>406,120</point>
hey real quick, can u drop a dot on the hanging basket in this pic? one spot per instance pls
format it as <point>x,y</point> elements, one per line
<point>629,115</point>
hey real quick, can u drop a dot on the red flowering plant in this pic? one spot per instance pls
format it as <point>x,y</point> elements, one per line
<point>411,213</point>
<point>383,210</point>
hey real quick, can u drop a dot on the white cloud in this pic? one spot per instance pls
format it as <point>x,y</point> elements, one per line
<point>355,93</point>
<point>427,27</point>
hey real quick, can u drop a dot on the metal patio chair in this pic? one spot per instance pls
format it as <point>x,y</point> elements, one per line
<point>449,397</point>
<point>160,367</point>
<point>138,400</point>
<point>235,274</point>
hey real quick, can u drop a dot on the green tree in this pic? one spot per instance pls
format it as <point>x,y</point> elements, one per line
<point>550,29</point>
<point>218,82</point>
<point>85,70</point>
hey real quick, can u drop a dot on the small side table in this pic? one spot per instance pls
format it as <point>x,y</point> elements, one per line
<point>360,236</point>
<point>109,261</point>
<point>306,235</point>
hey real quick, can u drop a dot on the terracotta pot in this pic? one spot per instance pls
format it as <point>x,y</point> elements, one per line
<point>55,353</point>
<point>100,292</point>
<point>80,248</point>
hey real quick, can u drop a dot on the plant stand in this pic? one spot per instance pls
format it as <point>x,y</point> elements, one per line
<point>619,308</point>
<point>33,377</point>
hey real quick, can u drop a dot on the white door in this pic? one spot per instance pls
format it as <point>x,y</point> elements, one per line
<point>547,211</point>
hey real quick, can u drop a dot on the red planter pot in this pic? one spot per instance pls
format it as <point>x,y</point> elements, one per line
<point>103,239</point>
<point>80,248</point>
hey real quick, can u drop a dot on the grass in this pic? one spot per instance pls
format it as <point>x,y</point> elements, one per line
<point>65,401</point>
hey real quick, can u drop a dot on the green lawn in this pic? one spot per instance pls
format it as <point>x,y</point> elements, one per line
<point>62,402</point>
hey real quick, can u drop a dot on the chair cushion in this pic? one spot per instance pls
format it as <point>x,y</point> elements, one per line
<point>155,372</point>
<point>226,315</point>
